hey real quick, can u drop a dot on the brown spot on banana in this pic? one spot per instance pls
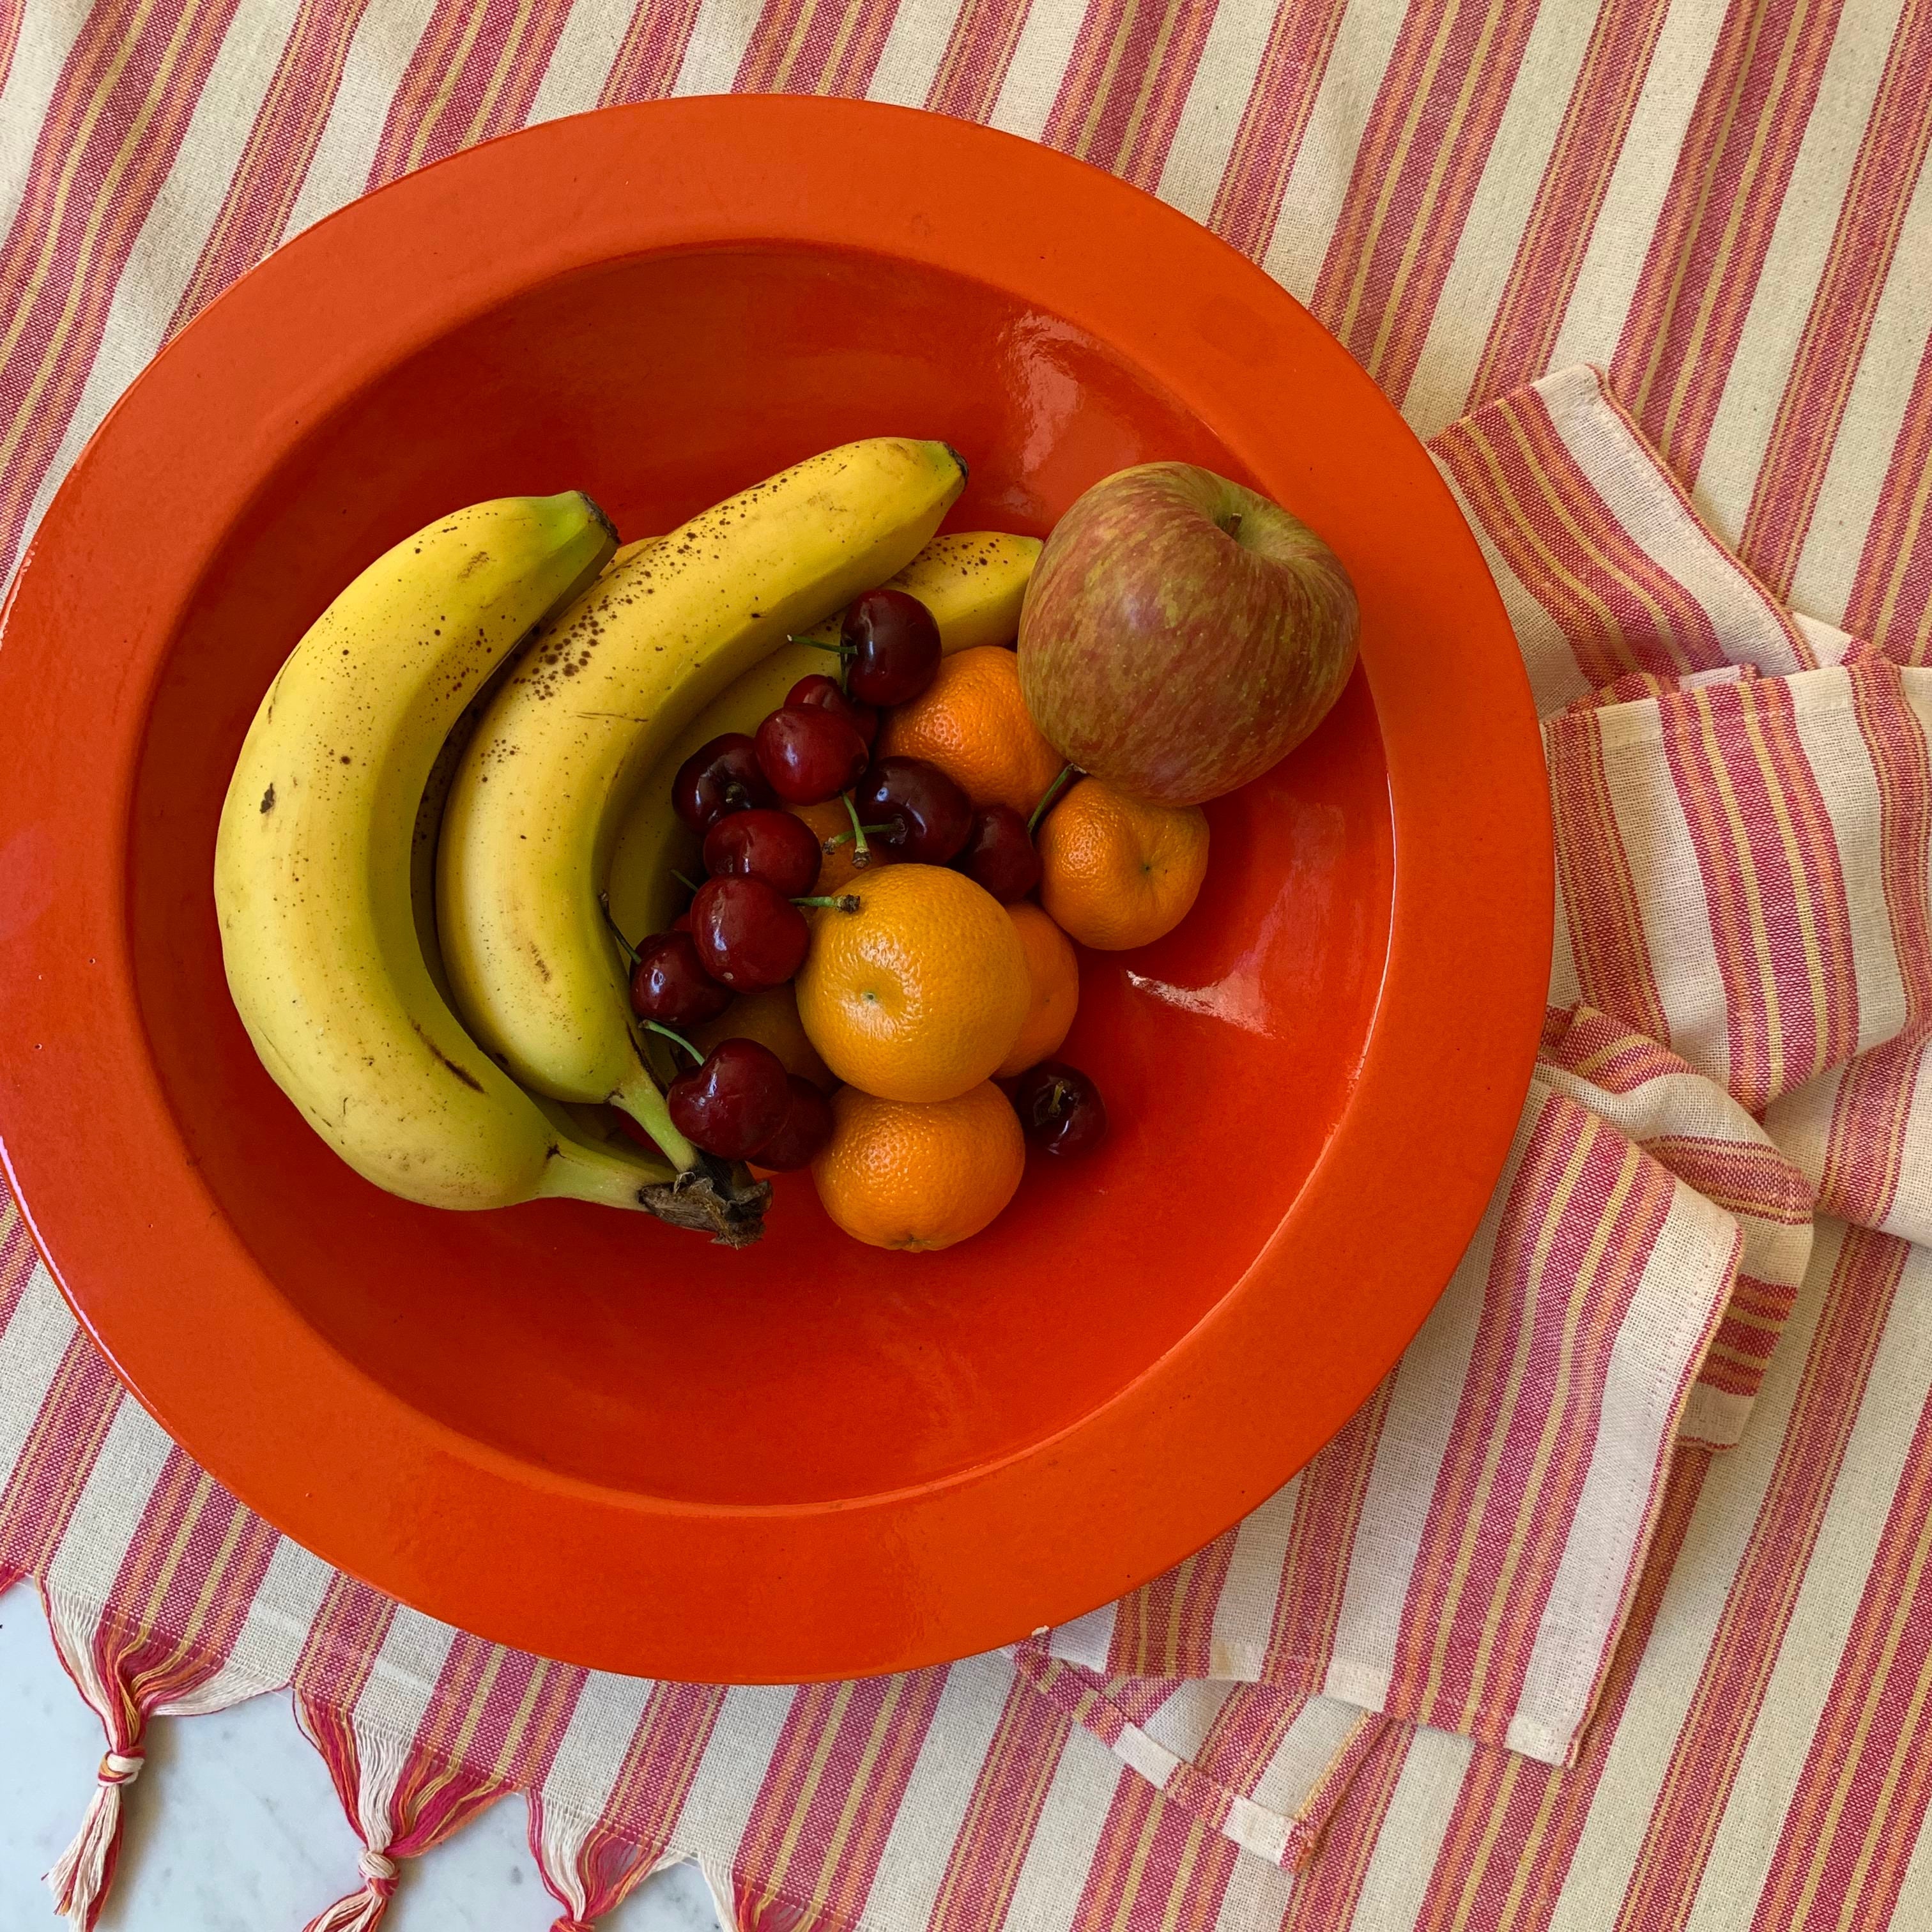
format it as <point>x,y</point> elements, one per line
<point>462,1073</point>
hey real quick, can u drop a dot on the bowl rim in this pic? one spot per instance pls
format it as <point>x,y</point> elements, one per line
<point>458,1528</point>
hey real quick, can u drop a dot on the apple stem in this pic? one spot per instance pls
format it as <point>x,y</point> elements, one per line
<point>1234,525</point>
<point>1052,792</point>
<point>862,853</point>
<point>676,1038</point>
<point>617,930</point>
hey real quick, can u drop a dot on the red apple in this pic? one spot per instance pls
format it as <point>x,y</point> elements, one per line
<point>1181,633</point>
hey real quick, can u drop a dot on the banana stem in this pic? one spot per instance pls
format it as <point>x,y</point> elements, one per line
<point>577,1171</point>
<point>640,1097</point>
<point>1051,793</point>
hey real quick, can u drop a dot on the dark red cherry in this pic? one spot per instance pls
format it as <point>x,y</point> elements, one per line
<point>732,1103</point>
<point>720,777</point>
<point>891,645</point>
<point>822,693</point>
<point>749,937</point>
<point>808,754</point>
<point>807,1127</point>
<point>1061,1109</point>
<point>928,814</point>
<point>998,854</point>
<point>774,846</point>
<point>670,985</point>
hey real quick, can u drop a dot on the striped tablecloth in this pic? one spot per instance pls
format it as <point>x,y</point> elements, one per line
<point>1609,1610</point>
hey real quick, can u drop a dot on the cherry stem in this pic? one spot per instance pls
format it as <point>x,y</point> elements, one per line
<point>1053,791</point>
<point>839,837</point>
<point>684,882</point>
<point>617,930</point>
<point>844,902</point>
<point>676,1038</point>
<point>813,643</point>
<point>862,853</point>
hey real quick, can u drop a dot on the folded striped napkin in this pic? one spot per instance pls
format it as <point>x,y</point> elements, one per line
<point>1741,801</point>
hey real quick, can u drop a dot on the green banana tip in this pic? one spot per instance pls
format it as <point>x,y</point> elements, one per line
<point>965,468</point>
<point>598,515</point>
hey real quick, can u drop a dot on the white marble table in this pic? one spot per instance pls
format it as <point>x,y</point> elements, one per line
<point>234,1827</point>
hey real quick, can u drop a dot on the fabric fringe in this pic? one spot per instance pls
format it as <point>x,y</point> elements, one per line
<point>400,1800</point>
<point>128,1677</point>
<point>83,1873</point>
<point>588,1870</point>
<point>361,1910</point>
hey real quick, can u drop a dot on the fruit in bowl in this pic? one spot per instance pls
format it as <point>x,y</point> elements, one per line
<point>1182,634</point>
<point>635,1400</point>
<point>865,848</point>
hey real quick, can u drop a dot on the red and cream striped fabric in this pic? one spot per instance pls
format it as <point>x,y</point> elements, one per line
<point>1609,1608</point>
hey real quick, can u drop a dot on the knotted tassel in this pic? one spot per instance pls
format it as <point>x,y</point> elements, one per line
<point>361,1910</point>
<point>567,1924</point>
<point>80,1879</point>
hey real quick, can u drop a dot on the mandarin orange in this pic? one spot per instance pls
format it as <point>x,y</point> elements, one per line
<point>973,723</point>
<point>771,1019</point>
<point>920,993</point>
<point>838,848</point>
<point>919,1176</point>
<point>1054,973</point>
<point>1117,871</point>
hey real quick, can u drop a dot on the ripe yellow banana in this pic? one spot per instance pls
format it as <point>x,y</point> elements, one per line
<point>587,713</point>
<point>972,582</point>
<point>313,862</point>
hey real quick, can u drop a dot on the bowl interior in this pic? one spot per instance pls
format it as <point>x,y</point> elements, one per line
<point>809,1369</point>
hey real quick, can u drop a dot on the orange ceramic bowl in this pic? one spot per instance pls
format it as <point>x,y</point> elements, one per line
<point>578,1431</point>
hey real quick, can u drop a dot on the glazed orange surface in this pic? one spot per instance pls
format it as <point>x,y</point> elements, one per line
<point>684,1430</point>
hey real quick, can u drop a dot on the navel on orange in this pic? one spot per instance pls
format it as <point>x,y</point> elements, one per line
<point>919,1176</point>
<point>921,992</point>
<point>1117,871</point>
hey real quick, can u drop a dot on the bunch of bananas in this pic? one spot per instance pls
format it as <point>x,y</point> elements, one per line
<point>424,823</point>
